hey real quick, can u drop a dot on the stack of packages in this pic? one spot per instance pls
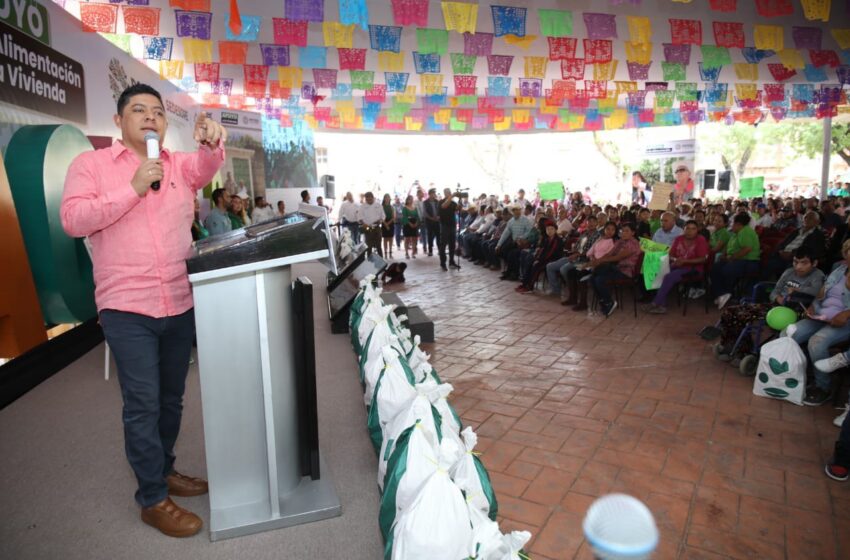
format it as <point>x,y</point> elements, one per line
<point>436,496</point>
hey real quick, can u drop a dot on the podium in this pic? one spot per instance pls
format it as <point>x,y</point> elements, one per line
<point>257,369</point>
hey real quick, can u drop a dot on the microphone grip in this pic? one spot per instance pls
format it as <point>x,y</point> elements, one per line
<point>152,145</point>
<point>155,186</point>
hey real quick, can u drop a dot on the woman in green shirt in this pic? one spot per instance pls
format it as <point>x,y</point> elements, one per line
<point>721,234</point>
<point>410,227</point>
<point>741,259</point>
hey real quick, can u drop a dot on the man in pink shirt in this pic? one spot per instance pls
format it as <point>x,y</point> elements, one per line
<point>140,239</point>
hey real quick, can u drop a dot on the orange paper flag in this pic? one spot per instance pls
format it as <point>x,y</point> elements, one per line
<point>235,18</point>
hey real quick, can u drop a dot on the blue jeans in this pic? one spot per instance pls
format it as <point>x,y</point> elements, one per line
<point>553,274</point>
<point>820,337</point>
<point>600,277</point>
<point>153,358</point>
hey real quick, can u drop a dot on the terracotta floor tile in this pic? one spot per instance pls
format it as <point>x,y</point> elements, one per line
<point>561,537</point>
<point>569,407</point>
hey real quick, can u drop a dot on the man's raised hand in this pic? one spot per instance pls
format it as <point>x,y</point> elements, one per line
<point>207,131</point>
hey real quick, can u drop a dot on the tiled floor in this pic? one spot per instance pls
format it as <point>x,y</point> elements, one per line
<point>569,407</point>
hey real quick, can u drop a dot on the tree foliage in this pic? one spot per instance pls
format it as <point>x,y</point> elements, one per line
<point>807,138</point>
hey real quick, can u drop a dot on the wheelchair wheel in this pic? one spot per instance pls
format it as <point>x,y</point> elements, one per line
<point>749,364</point>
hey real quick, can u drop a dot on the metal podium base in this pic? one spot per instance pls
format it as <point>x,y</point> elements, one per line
<point>312,500</point>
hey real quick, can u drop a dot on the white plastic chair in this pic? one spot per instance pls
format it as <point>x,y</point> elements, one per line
<point>106,360</point>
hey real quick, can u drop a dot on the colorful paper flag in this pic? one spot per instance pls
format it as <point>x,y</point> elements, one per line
<point>769,37</point>
<point>640,29</point>
<point>744,71</point>
<point>171,69</point>
<point>352,59</point>
<point>97,18</point>
<point>555,23</point>
<point>338,35</point>
<point>410,12</point>
<point>477,44</point>
<point>197,50</point>
<point>354,12</point>
<point>508,20</point>
<point>389,61</point>
<point>715,57</point>
<point>305,10</point>
<point>158,48</point>
<point>686,31</point>
<point>600,26</point>
<point>289,32</point>
<point>791,58</point>
<point>807,37</point>
<point>460,16</point>
<point>638,52</point>
<point>535,66</point>
<point>290,77</point>
<point>432,41</point>
<point>141,20</point>
<point>463,64</point>
<point>816,10</point>
<point>191,24</point>
<point>605,70</point>
<point>728,34</point>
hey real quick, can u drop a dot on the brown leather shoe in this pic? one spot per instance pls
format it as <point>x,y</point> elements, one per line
<point>185,486</point>
<point>171,519</point>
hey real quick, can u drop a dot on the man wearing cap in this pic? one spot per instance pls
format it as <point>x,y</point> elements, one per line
<point>683,190</point>
<point>764,219</point>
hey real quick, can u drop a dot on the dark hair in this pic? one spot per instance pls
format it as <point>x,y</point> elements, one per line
<point>136,89</point>
<point>257,200</point>
<point>217,195</point>
<point>692,222</point>
<point>610,223</point>
<point>304,194</point>
<point>724,217</point>
<point>639,174</point>
<point>628,225</point>
<point>803,252</point>
<point>743,219</point>
<point>279,202</point>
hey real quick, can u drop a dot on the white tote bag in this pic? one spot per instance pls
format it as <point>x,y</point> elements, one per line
<point>781,372</point>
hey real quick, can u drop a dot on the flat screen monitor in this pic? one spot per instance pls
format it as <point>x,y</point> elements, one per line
<point>341,296</point>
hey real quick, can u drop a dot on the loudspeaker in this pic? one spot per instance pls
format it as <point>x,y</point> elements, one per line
<point>708,177</point>
<point>327,183</point>
<point>723,180</point>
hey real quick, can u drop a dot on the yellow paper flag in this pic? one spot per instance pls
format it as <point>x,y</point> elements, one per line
<point>816,9</point>
<point>549,109</point>
<point>638,52</point>
<point>769,37</point>
<point>521,42</point>
<point>311,121</point>
<point>390,61</point>
<point>576,122</point>
<point>604,70</point>
<point>744,71</point>
<point>525,101</point>
<point>338,35</point>
<point>442,116</point>
<point>640,29</point>
<point>412,124</point>
<point>197,50</point>
<point>409,95</point>
<point>346,111</point>
<point>289,76</point>
<point>625,87</point>
<point>535,66</point>
<point>520,115</point>
<point>616,120</point>
<point>460,16</point>
<point>746,91</point>
<point>432,84</point>
<point>504,124</point>
<point>171,69</point>
<point>842,37</point>
<point>791,58</point>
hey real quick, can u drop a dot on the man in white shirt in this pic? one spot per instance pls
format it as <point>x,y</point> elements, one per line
<point>263,211</point>
<point>349,216</point>
<point>371,215</point>
<point>764,219</point>
<point>565,226</point>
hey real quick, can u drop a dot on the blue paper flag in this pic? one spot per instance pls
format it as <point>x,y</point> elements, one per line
<point>158,48</point>
<point>354,11</point>
<point>754,56</point>
<point>709,74</point>
<point>426,63</point>
<point>250,28</point>
<point>508,20</point>
<point>313,57</point>
<point>342,92</point>
<point>716,93</point>
<point>385,38</point>
<point>814,74</point>
<point>498,86</point>
<point>396,81</point>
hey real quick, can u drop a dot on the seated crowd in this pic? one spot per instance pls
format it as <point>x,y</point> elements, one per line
<point>762,253</point>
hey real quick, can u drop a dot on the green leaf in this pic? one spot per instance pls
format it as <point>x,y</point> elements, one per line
<point>791,383</point>
<point>778,367</point>
<point>778,393</point>
<point>763,377</point>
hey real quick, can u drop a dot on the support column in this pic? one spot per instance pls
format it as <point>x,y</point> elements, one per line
<point>827,149</point>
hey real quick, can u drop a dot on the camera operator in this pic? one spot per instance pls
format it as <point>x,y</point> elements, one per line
<point>448,228</point>
<point>371,216</point>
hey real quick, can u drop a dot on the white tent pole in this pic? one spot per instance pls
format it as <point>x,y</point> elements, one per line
<point>827,145</point>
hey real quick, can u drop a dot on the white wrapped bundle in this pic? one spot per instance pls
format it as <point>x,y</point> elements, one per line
<point>436,524</point>
<point>419,411</point>
<point>471,476</point>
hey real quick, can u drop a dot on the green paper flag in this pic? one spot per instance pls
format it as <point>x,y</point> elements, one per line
<point>686,91</point>
<point>456,125</point>
<point>551,191</point>
<point>119,40</point>
<point>430,41</point>
<point>463,64</point>
<point>673,71</point>
<point>556,23</point>
<point>362,79</point>
<point>715,57</point>
<point>752,187</point>
<point>664,99</point>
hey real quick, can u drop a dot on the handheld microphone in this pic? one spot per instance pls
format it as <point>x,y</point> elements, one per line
<point>152,143</point>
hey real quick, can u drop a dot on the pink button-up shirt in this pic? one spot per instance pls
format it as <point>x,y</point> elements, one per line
<point>139,244</point>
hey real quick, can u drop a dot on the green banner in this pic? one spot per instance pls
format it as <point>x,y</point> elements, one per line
<point>551,191</point>
<point>752,187</point>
